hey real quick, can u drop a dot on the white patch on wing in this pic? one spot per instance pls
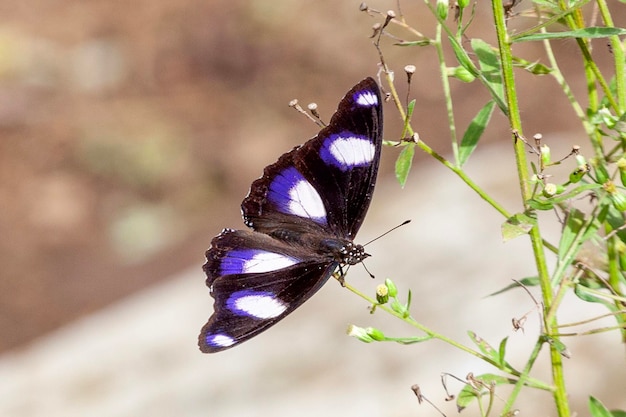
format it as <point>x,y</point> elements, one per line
<point>305,201</point>
<point>261,305</point>
<point>220,340</point>
<point>366,98</point>
<point>352,151</point>
<point>266,262</point>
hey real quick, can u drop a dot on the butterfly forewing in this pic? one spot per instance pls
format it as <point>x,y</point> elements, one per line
<point>305,211</point>
<point>328,182</point>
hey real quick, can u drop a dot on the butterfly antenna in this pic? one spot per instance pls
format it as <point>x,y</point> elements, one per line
<point>368,271</point>
<point>387,232</point>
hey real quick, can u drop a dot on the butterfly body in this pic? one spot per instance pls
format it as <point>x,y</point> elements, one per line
<point>304,213</point>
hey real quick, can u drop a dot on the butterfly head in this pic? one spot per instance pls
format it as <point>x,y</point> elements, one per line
<point>352,254</point>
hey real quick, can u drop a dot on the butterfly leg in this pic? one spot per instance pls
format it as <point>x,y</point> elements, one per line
<point>340,276</point>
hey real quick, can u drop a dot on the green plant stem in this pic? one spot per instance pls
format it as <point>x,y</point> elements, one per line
<point>618,55</point>
<point>457,170</point>
<point>544,24</point>
<point>590,130</point>
<point>446,93</point>
<point>575,21</point>
<point>412,322</point>
<point>614,278</point>
<point>560,393</point>
<point>466,179</point>
<point>510,401</point>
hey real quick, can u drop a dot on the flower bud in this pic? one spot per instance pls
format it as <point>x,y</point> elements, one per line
<point>382,294</point>
<point>375,334</point>
<point>550,190</point>
<point>619,201</point>
<point>580,160</point>
<point>621,166</point>
<point>398,307</point>
<point>601,175</point>
<point>461,74</point>
<point>393,290</point>
<point>545,155</point>
<point>462,3</point>
<point>617,198</point>
<point>579,173</point>
<point>360,333</point>
<point>442,9</point>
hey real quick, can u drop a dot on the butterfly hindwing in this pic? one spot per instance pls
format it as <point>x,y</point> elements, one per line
<point>327,182</point>
<point>304,211</point>
<point>256,281</point>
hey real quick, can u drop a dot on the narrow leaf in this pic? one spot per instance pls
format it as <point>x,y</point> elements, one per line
<point>517,225</point>
<point>483,345</point>
<point>573,225</point>
<point>424,42</point>
<point>404,162</point>
<point>409,113</point>
<point>588,33</point>
<point>487,57</point>
<point>502,351</point>
<point>470,393</point>
<point>597,408</point>
<point>489,68</point>
<point>474,132</point>
<point>540,204</point>
<point>527,282</point>
<point>533,67</point>
<point>463,57</point>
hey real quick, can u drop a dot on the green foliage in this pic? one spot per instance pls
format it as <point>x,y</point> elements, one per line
<point>597,177</point>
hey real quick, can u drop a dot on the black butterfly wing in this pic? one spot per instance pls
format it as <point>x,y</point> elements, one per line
<point>305,210</point>
<point>256,281</point>
<point>324,186</point>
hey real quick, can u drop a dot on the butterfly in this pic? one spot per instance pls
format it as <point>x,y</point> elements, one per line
<point>304,213</point>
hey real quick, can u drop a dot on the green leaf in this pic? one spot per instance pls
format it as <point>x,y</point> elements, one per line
<point>597,408</point>
<point>527,282</point>
<point>409,113</point>
<point>487,57</point>
<point>616,219</point>
<point>424,42</point>
<point>558,345</point>
<point>484,346</point>
<point>517,225</point>
<point>489,68</point>
<point>502,351</point>
<point>409,298</point>
<point>533,67</point>
<point>462,56</point>
<point>577,230</point>
<point>470,393</point>
<point>404,162</point>
<point>588,33</point>
<point>537,204</point>
<point>474,132</point>
<point>580,292</point>
<point>573,225</point>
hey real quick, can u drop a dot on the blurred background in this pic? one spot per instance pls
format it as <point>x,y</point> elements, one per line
<point>129,134</point>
